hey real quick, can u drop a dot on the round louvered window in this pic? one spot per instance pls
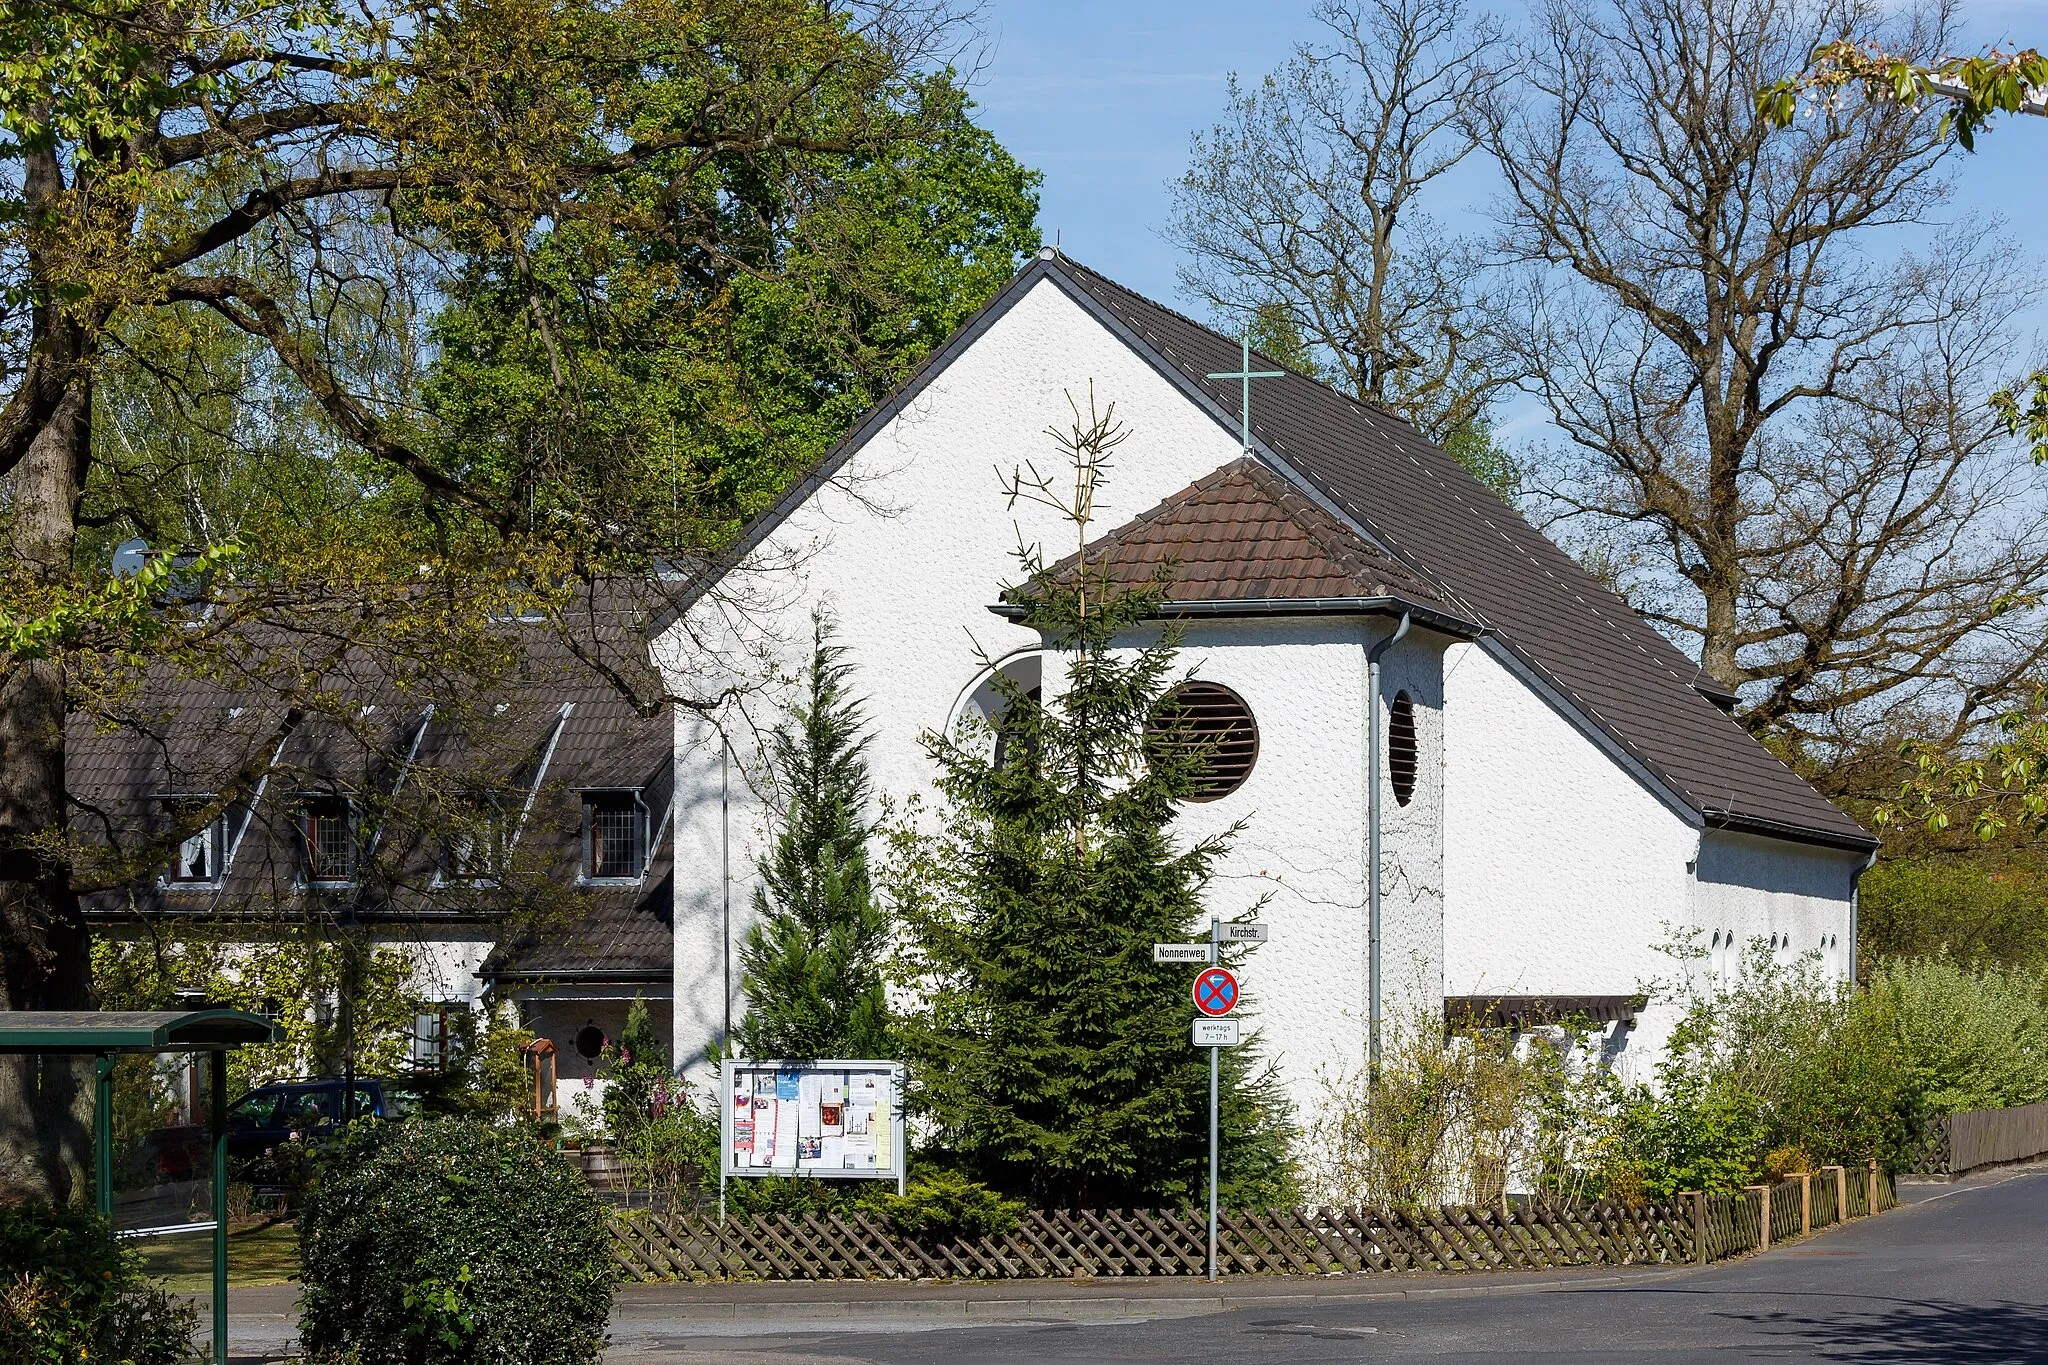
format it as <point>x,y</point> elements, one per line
<point>1401,747</point>
<point>1214,722</point>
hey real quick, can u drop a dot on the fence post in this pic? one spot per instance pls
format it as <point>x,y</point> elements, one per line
<point>1871,1206</point>
<point>1763,1218</point>
<point>1805,1202</point>
<point>1699,1226</point>
<point>1841,1192</point>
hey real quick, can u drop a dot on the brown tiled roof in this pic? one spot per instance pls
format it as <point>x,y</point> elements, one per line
<point>1245,534</point>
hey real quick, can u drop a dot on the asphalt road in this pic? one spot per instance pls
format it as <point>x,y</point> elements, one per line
<point>1960,1276</point>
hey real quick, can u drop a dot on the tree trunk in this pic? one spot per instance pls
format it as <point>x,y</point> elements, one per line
<point>45,1103</point>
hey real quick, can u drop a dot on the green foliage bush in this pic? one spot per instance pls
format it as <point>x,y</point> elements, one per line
<point>944,1204</point>
<point>1782,1059</point>
<point>71,1293</point>
<point>1985,907</point>
<point>449,1241</point>
<point>1967,1037</point>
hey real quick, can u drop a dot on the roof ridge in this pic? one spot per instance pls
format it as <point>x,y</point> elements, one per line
<point>1364,405</point>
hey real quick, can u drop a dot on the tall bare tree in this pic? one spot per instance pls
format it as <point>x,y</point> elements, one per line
<point>1777,419</point>
<point>1300,210</point>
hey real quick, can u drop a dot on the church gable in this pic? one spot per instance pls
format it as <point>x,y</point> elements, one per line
<point>1580,642</point>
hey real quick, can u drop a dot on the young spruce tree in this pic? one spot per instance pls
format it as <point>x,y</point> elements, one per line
<point>811,962</point>
<point>1050,1054</point>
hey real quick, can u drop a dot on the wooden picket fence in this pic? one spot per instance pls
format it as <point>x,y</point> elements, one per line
<point>1529,1235</point>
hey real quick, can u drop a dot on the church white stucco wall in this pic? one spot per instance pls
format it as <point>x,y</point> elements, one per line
<point>1566,874</point>
<point>1302,849</point>
<point>1796,898</point>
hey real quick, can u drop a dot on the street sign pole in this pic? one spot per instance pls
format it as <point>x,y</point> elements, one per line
<point>1215,1064</point>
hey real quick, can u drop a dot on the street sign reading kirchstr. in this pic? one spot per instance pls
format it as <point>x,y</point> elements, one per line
<point>1181,952</point>
<point>1216,1033</point>
<point>1244,933</point>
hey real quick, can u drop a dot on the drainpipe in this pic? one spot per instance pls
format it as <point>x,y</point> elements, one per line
<point>1372,843</point>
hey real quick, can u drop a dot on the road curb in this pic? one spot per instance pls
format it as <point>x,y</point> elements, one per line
<point>974,1308</point>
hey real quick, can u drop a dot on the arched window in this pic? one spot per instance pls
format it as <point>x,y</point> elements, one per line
<point>1401,747</point>
<point>982,706</point>
<point>1215,723</point>
<point>1014,743</point>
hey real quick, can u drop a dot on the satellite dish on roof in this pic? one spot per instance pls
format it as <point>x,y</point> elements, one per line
<point>130,556</point>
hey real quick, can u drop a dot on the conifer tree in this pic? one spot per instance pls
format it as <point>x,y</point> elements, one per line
<point>812,960</point>
<point>1050,1054</point>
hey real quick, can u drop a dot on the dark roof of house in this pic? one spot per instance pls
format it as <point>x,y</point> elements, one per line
<point>535,742</point>
<point>1647,701</point>
<point>1245,536</point>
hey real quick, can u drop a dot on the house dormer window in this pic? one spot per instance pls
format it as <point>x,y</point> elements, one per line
<point>614,836</point>
<point>328,832</point>
<point>477,851</point>
<point>197,860</point>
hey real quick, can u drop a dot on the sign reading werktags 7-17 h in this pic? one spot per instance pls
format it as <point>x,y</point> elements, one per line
<point>828,1120</point>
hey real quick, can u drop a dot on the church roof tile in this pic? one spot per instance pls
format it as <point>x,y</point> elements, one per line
<point>1242,534</point>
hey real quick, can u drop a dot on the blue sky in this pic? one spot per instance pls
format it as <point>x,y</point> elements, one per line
<point>1103,96</point>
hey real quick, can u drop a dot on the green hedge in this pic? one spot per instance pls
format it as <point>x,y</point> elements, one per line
<point>452,1240</point>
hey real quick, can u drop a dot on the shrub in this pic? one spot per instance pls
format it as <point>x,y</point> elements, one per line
<point>71,1293</point>
<point>945,1204</point>
<point>452,1240</point>
<point>1966,1038</point>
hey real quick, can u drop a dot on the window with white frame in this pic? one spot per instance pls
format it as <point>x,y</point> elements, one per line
<point>477,850</point>
<point>614,836</point>
<point>327,831</point>
<point>199,856</point>
<point>430,1041</point>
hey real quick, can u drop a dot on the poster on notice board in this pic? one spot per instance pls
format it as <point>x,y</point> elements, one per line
<point>832,1120</point>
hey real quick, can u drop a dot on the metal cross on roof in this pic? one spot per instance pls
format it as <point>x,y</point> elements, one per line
<point>1247,374</point>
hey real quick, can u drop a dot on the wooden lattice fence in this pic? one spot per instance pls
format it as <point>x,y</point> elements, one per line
<point>1520,1236</point>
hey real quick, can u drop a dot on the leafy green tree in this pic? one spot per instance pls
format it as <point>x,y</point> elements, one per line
<point>1050,1053</point>
<point>401,308</point>
<point>812,960</point>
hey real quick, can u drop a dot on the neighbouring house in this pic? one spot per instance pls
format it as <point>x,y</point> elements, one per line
<point>1562,791</point>
<point>512,846</point>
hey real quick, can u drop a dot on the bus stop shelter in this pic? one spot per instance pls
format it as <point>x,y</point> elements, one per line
<point>104,1034</point>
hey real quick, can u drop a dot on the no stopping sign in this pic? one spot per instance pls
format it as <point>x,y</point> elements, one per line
<point>1216,992</point>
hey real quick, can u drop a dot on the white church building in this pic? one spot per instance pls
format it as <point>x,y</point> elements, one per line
<point>1560,790</point>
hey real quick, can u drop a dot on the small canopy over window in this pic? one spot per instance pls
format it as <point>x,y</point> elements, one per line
<point>1213,722</point>
<point>1401,751</point>
<point>1534,1011</point>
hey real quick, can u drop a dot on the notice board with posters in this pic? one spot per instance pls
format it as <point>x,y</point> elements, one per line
<point>829,1120</point>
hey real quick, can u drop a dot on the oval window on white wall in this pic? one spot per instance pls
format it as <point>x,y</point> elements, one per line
<point>1215,723</point>
<point>1401,747</point>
